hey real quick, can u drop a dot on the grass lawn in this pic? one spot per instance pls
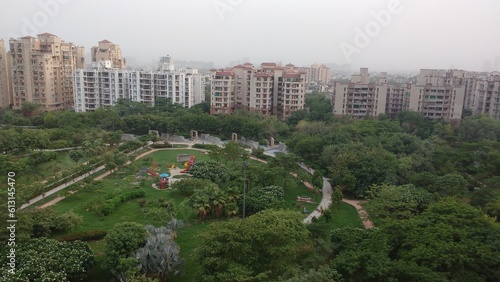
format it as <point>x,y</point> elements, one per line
<point>48,169</point>
<point>299,189</point>
<point>344,215</point>
<point>131,211</point>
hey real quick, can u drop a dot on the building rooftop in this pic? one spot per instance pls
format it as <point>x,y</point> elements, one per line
<point>46,34</point>
<point>105,41</point>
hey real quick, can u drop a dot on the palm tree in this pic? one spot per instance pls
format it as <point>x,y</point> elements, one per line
<point>174,225</point>
<point>160,256</point>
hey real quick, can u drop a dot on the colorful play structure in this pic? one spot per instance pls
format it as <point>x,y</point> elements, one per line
<point>164,177</point>
<point>188,164</point>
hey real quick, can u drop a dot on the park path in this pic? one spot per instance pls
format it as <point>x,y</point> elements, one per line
<point>63,186</point>
<point>326,200</point>
<point>363,215</point>
<point>71,182</point>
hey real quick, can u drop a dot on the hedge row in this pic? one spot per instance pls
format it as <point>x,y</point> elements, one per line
<point>110,205</point>
<point>160,146</point>
<point>205,146</point>
<point>85,236</point>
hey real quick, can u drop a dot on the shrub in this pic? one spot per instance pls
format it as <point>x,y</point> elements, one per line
<point>85,236</point>
<point>188,185</point>
<point>111,204</point>
<point>205,146</point>
<point>159,146</point>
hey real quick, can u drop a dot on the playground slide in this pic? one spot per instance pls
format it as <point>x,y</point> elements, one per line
<point>152,173</point>
<point>188,164</point>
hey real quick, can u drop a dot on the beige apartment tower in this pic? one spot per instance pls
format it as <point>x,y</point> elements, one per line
<point>42,71</point>
<point>270,90</point>
<point>439,94</point>
<point>486,96</point>
<point>360,98</point>
<point>106,51</point>
<point>5,77</point>
<point>318,73</point>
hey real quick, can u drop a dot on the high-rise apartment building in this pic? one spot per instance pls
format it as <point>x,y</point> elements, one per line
<point>42,71</point>
<point>103,86</point>
<point>439,94</point>
<point>270,90</point>
<point>398,98</point>
<point>106,51</point>
<point>486,96</point>
<point>361,98</point>
<point>5,77</point>
<point>318,73</point>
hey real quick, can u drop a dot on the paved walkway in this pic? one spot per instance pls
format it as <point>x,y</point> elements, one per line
<point>65,185</point>
<point>325,201</point>
<point>73,181</point>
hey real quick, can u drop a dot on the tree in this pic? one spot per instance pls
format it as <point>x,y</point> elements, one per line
<point>317,179</point>
<point>262,246</point>
<point>187,186</point>
<point>261,198</point>
<point>323,274</point>
<point>451,238</point>
<point>337,196</point>
<point>478,128</point>
<point>209,199</point>
<point>160,256</point>
<point>209,170</point>
<point>452,184</point>
<point>328,214</point>
<point>389,202</point>
<point>45,259</point>
<point>28,109</point>
<point>357,166</point>
<point>93,147</point>
<point>121,243</point>
<point>76,155</point>
<point>286,164</point>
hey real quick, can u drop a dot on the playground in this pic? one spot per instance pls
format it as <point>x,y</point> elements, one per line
<point>143,175</point>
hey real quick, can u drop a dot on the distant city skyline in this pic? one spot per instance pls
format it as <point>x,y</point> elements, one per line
<point>382,35</point>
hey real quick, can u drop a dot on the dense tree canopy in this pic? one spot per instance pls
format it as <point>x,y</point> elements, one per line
<point>261,247</point>
<point>44,259</point>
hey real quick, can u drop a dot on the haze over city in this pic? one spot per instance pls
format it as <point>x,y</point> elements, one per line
<point>382,35</point>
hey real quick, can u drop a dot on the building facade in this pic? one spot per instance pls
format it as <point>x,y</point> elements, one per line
<point>102,87</point>
<point>486,96</point>
<point>318,73</point>
<point>106,51</point>
<point>439,94</point>
<point>5,77</point>
<point>270,90</point>
<point>398,98</point>
<point>360,98</point>
<point>42,71</point>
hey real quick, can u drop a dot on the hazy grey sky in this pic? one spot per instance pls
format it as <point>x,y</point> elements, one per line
<point>408,34</point>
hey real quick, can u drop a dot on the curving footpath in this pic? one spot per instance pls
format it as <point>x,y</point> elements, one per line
<point>325,201</point>
<point>363,215</point>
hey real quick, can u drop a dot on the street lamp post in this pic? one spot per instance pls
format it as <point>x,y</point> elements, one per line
<point>245,164</point>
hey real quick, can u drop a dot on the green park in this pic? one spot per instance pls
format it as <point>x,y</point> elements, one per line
<point>329,199</point>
